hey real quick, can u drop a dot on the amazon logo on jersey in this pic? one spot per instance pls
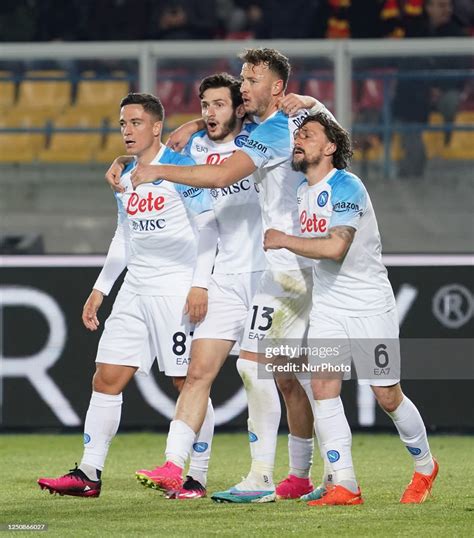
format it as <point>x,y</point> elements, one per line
<point>192,192</point>
<point>341,207</point>
<point>255,144</point>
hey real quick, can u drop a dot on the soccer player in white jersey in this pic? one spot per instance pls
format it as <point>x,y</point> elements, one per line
<point>281,306</point>
<point>353,303</point>
<point>237,271</point>
<point>166,238</point>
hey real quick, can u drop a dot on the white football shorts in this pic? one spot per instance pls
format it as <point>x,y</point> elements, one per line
<point>230,298</point>
<point>280,309</point>
<point>142,327</point>
<point>371,343</point>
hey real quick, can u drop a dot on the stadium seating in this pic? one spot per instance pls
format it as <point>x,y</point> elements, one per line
<point>100,98</point>
<point>461,145</point>
<point>434,140</point>
<point>375,149</point>
<point>371,94</point>
<point>175,120</point>
<point>73,146</point>
<point>45,99</point>
<point>172,90</point>
<point>21,147</point>
<point>320,87</point>
<point>7,91</point>
<point>43,93</point>
<point>294,85</point>
<point>112,148</point>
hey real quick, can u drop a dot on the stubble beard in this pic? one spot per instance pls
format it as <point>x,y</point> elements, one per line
<point>303,164</point>
<point>227,128</point>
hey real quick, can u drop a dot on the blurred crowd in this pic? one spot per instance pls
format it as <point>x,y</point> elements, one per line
<point>79,20</point>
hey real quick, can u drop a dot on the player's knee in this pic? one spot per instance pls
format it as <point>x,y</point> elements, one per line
<point>324,389</point>
<point>389,398</point>
<point>104,384</point>
<point>199,377</point>
<point>388,405</point>
<point>111,379</point>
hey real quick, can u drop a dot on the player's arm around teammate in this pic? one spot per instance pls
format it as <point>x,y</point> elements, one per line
<point>289,104</point>
<point>331,247</point>
<point>236,167</point>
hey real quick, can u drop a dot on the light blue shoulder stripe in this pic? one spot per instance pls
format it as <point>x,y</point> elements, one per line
<point>346,187</point>
<point>172,157</point>
<point>189,145</point>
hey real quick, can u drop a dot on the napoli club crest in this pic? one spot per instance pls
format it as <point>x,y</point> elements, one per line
<point>240,140</point>
<point>323,198</point>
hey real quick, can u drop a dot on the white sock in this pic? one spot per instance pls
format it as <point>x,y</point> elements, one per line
<point>101,425</point>
<point>336,440</point>
<point>201,452</point>
<point>179,443</point>
<point>328,473</point>
<point>91,472</point>
<point>412,431</point>
<point>327,478</point>
<point>264,419</point>
<point>300,452</point>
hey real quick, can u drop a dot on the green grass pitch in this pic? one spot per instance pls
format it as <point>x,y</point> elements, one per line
<point>126,508</point>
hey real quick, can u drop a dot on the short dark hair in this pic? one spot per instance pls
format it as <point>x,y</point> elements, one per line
<point>150,103</point>
<point>222,80</point>
<point>274,59</point>
<point>336,134</point>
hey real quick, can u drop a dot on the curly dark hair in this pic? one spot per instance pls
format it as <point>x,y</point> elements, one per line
<point>150,103</point>
<point>336,134</point>
<point>223,80</point>
<point>274,59</point>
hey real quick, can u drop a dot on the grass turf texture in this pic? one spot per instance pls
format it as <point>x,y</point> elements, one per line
<point>126,508</point>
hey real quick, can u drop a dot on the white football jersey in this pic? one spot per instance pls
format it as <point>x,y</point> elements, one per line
<point>236,207</point>
<point>270,147</point>
<point>157,221</point>
<point>358,286</point>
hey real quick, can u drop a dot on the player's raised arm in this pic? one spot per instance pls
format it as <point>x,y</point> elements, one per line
<point>290,104</point>
<point>333,246</point>
<point>181,135</point>
<point>236,167</point>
